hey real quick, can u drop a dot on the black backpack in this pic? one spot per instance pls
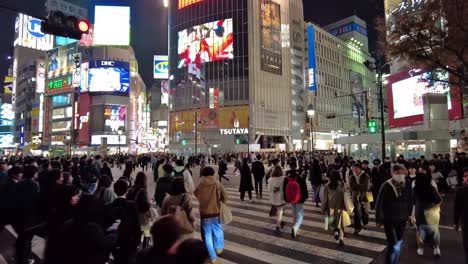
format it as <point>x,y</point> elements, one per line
<point>179,174</point>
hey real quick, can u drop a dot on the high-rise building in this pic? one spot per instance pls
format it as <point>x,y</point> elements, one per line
<point>234,70</point>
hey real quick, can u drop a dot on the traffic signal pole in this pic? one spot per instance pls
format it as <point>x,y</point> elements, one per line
<point>382,117</point>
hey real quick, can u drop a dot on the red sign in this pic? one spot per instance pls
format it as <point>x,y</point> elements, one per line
<point>185,3</point>
<point>84,109</point>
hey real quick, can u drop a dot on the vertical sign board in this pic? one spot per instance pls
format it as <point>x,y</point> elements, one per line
<point>312,59</point>
<point>40,76</point>
<point>271,57</point>
<point>28,34</point>
<point>161,67</point>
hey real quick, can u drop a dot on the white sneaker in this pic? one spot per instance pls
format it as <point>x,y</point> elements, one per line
<point>420,251</point>
<point>437,253</point>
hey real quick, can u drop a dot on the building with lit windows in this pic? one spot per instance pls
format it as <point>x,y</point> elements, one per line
<point>342,89</point>
<point>233,74</point>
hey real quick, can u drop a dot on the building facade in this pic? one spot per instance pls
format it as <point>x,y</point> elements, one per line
<point>231,75</point>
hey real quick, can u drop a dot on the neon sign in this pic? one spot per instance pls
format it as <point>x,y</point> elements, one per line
<point>185,3</point>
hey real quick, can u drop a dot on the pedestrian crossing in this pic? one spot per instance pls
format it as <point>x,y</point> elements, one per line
<point>252,234</point>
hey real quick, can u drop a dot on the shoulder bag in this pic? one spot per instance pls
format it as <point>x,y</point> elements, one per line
<point>180,215</point>
<point>225,214</point>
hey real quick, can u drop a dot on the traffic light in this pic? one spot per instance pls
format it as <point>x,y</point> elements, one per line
<point>59,24</point>
<point>238,140</point>
<point>184,142</point>
<point>372,126</point>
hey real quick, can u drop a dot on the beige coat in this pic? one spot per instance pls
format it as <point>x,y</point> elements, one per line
<point>209,192</point>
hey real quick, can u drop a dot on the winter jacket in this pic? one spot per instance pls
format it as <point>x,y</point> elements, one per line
<point>129,231</point>
<point>258,169</point>
<point>188,181</point>
<point>209,192</point>
<point>163,186</point>
<point>359,186</point>
<point>183,200</point>
<point>393,205</point>
<point>275,188</point>
<point>245,184</point>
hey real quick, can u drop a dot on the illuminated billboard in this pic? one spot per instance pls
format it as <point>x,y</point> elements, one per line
<point>6,115</point>
<point>28,34</point>
<point>164,93</point>
<point>185,3</point>
<point>161,67</point>
<point>312,58</point>
<point>112,25</point>
<point>212,41</point>
<point>271,58</point>
<point>40,75</point>
<point>405,96</point>
<point>108,77</point>
<point>59,84</point>
<point>61,60</point>
<point>115,117</point>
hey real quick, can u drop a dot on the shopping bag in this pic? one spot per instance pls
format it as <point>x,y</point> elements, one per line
<point>273,211</point>
<point>327,223</point>
<point>369,197</point>
<point>348,201</point>
<point>345,218</point>
<point>225,213</point>
<point>432,215</point>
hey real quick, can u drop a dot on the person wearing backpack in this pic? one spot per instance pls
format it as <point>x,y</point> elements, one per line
<point>295,193</point>
<point>180,171</point>
<point>179,199</point>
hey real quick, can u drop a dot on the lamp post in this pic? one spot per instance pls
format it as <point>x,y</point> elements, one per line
<point>119,132</point>
<point>302,139</point>
<point>311,114</point>
<point>68,138</point>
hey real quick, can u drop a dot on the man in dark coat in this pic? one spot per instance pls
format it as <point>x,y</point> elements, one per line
<point>222,169</point>
<point>461,211</point>
<point>245,184</point>
<point>258,171</point>
<point>7,190</point>
<point>315,177</point>
<point>359,183</point>
<point>25,213</point>
<point>124,212</point>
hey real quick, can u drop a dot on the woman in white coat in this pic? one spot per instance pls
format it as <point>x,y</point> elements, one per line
<point>275,188</point>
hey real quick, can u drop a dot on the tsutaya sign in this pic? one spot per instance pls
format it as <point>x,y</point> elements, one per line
<point>234,131</point>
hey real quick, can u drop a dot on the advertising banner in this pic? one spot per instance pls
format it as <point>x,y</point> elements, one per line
<point>214,97</point>
<point>40,75</point>
<point>234,117</point>
<point>161,67</point>
<point>271,59</point>
<point>59,84</point>
<point>35,120</point>
<point>115,117</point>
<point>112,25</point>
<point>84,108</point>
<point>67,8</point>
<point>312,58</point>
<point>164,93</point>
<point>208,118</point>
<point>182,121</point>
<point>109,77</point>
<point>213,41</point>
<point>185,3</point>
<point>28,34</point>
<point>61,60</point>
<point>357,89</point>
<point>405,92</point>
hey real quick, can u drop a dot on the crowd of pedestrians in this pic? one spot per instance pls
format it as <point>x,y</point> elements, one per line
<point>88,215</point>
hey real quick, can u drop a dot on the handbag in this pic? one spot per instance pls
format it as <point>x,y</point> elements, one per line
<point>432,215</point>
<point>348,202</point>
<point>180,215</point>
<point>273,211</point>
<point>369,197</point>
<point>225,214</point>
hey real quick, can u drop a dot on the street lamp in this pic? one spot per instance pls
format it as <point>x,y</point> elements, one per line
<point>68,138</point>
<point>311,114</point>
<point>302,139</point>
<point>119,132</point>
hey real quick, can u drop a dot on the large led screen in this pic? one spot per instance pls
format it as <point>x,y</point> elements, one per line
<point>270,37</point>
<point>115,117</point>
<point>109,77</point>
<point>212,41</point>
<point>405,96</point>
<point>112,25</point>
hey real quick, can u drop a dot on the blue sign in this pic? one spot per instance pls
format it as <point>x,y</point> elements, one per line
<point>34,28</point>
<point>22,136</point>
<point>61,41</point>
<point>161,67</point>
<point>349,28</point>
<point>312,59</point>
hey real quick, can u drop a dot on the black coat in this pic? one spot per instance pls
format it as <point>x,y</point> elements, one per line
<point>26,212</point>
<point>245,184</point>
<point>315,175</point>
<point>163,186</point>
<point>461,207</point>
<point>106,171</point>
<point>7,190</point>
<point>129,232</point>
<point>222,168</point>
<point>390,208</point>
<point>258,169</point>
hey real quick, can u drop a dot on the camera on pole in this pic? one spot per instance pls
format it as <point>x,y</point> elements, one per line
<point>58,24</point>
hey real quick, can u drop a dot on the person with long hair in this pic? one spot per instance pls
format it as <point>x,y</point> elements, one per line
<point>139,193</point>
<point>427,213</point>
<point>275,188</point>
<point>178,196</point>
<point>104,191</point>
<point>334,208</point>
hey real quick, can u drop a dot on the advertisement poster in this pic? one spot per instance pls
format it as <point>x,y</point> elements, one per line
<point>83,110</point>
<point>208,118</point>
<point>357,95</point>
<point>214,97</point>
<point>312,59</point>
<point>184,3</point>
<point>28,34</point>
<point>164,93</point>
<point>112,25</point>
<point>161,67</point>
<point>234,117</point>
<point>40,75</point>
<point>61,60</point>
<point>212,41</point>
<point>270,38</point>
<point>405,93</point>
<point>109,77</point>
<point>59,84</point>
<point>115,117</point>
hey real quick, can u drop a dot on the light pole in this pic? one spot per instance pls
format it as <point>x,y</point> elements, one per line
<point>119,132</point>
<point>302,139</point>
<point>311,114</point>
<point>68,138</point>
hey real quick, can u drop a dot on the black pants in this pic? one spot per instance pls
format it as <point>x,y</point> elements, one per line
<point>394,233</point>
<point>465,243</point>
<point>243,195</point>
<point>361,216</point>
<point>23,244</point>
<point>258,186</point>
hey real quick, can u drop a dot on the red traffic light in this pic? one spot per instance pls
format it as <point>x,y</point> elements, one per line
<point>84,26</point>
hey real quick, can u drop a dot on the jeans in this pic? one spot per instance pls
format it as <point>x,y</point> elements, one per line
<point>429,231</point>
<point>258,186</point>
<point>361,215</point>
<point>316,193</point>
<point>212,235</point>
<point>279,215</point>
<point>298,215</point>
<point>394,233</point>
<point>242,195</point>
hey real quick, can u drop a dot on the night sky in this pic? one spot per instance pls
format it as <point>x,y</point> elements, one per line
<point>149,25</point>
